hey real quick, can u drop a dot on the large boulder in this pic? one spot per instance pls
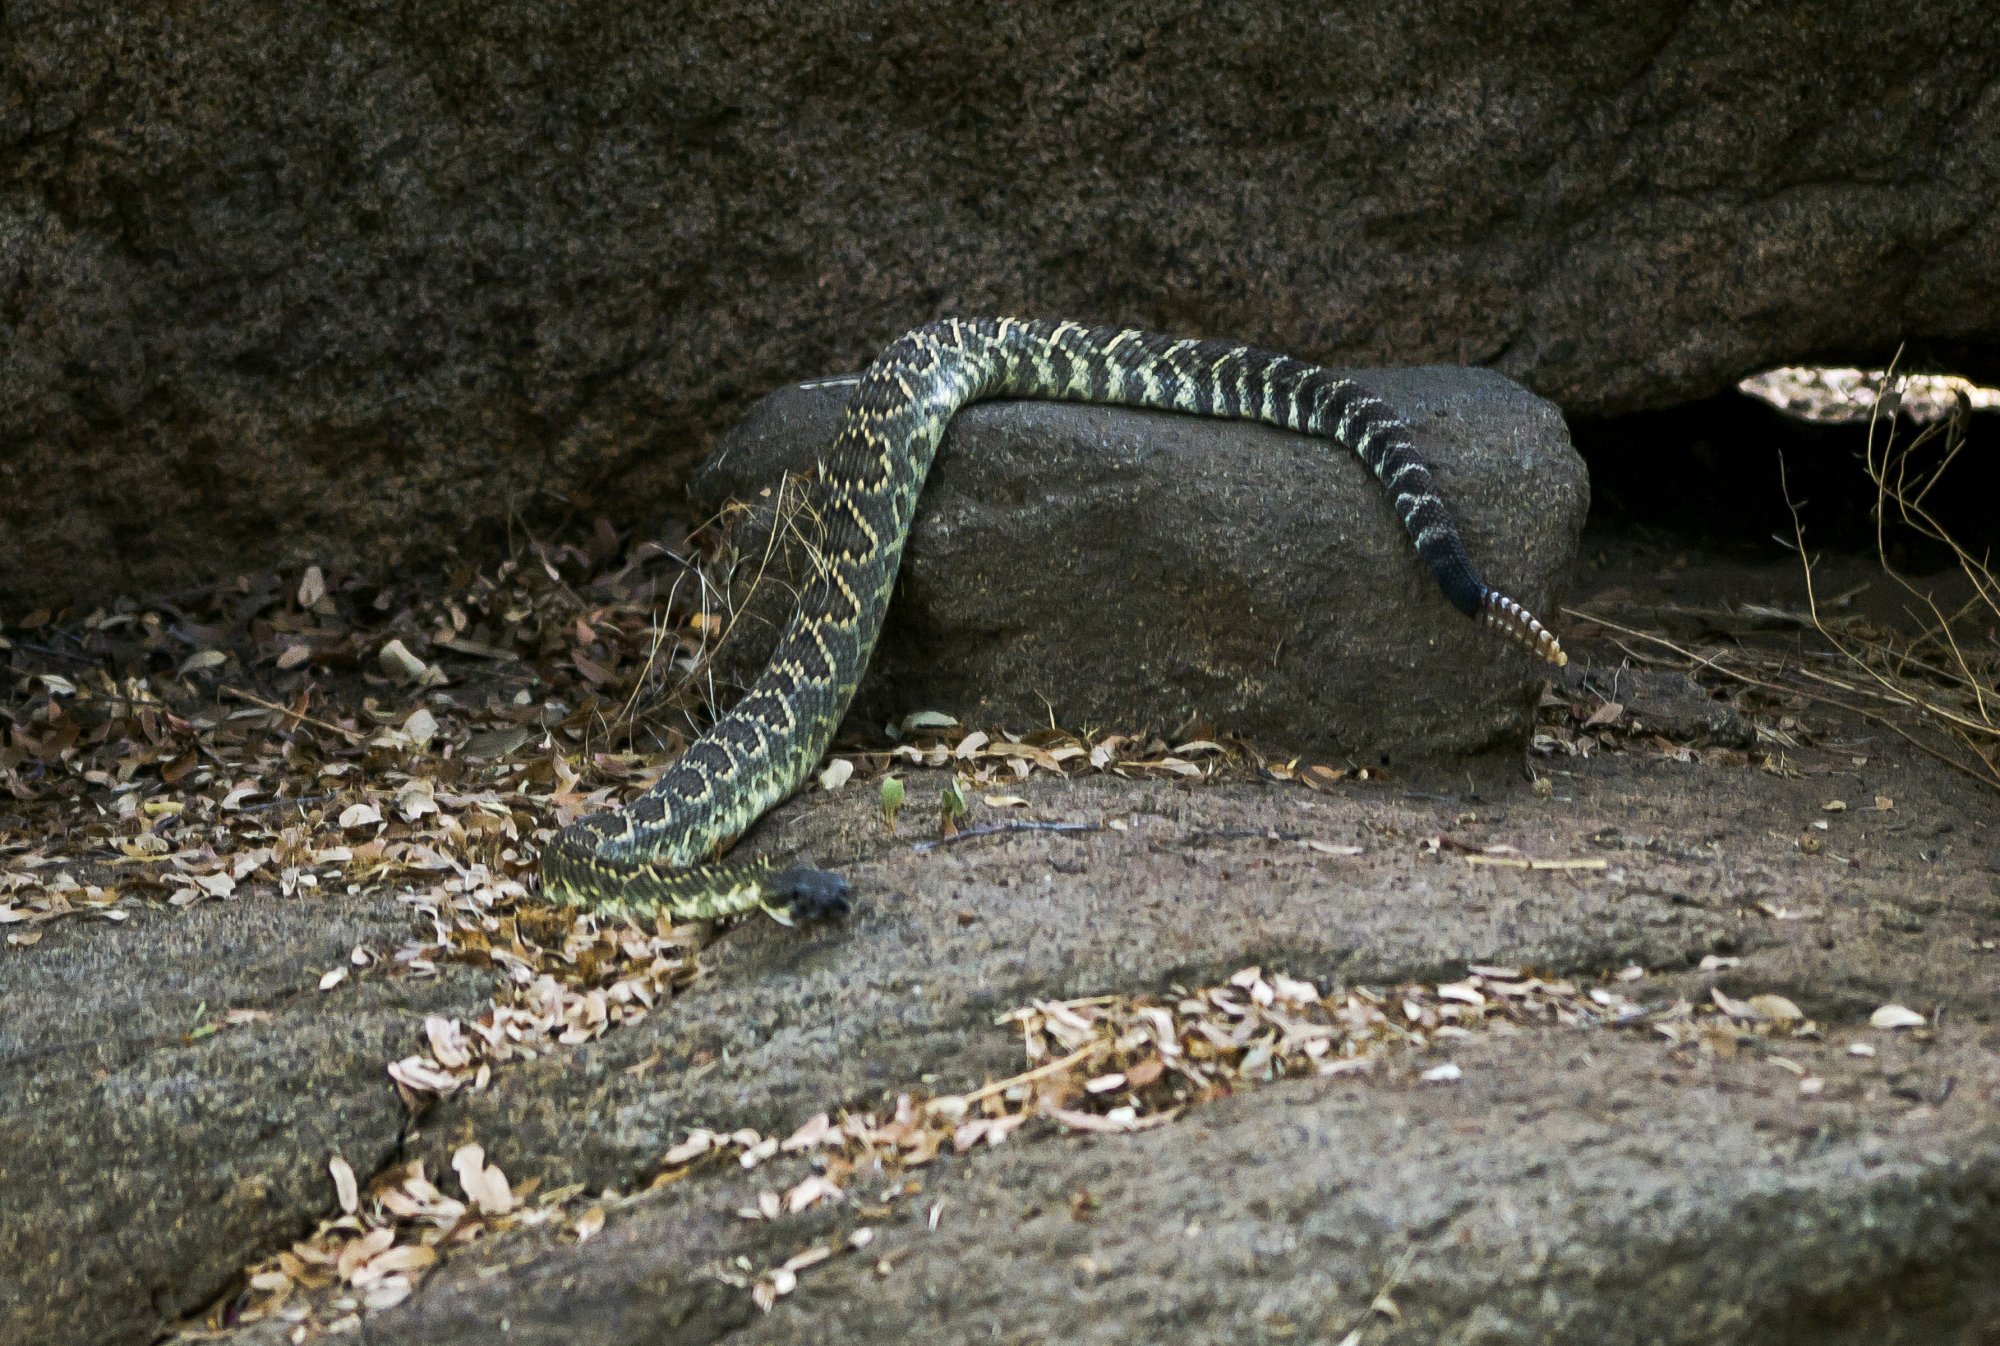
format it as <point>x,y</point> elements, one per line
<point>1099,565</point>
<point>287,282</point>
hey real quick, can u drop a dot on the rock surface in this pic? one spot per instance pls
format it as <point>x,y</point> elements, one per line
<point>1586,1186</point>
<point>1093,563</point>
<point>153,1146</point>
<point>1572,1187</point>
<point>1674,704</point>
<point>1688,1212</point>
<point>291,283</point>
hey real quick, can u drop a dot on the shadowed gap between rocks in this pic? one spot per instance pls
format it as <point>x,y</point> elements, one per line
<point>1710,471</point>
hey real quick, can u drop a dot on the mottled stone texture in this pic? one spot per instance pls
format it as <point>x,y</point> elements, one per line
<point>1577,1187</point>
<point>1574,1188</point>
<point>149,1156</point>
<point>354,283</point>
<point>1103,566</point>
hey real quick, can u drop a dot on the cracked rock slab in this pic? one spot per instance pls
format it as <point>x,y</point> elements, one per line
<point>789,1021</point>
<point>1565,1190</point>
<point>1572,1186</point>
<point>1593,1187</point>
<point>150,1155</point>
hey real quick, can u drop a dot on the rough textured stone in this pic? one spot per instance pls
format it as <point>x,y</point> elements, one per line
<point>796,1019</point>
<point>148,1159</point>
<point>1671,703</point>
<point>1574,1187</point>
<point>1697,1212</point>
<point>1112,567</point>
<point>295,282</point>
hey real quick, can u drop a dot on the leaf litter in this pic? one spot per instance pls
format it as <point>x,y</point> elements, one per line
<point>1104,1065</point>
<point>316,730</point>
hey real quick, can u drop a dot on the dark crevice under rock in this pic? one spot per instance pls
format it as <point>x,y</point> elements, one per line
<point>1720,471</point>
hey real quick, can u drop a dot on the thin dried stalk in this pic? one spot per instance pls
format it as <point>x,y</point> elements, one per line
<point>1935,688</point>
<point>1939,673</point>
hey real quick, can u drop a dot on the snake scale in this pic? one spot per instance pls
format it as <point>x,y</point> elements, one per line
<point>661,854</point>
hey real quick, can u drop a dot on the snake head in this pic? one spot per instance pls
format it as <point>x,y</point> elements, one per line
<point>809,894</point>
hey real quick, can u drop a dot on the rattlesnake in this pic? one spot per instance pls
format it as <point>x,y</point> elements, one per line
<point>659,854</point>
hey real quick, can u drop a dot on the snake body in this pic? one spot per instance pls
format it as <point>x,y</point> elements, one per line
<point>660,854</point>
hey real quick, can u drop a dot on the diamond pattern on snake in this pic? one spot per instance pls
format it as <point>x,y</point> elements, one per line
<point>659,854</point>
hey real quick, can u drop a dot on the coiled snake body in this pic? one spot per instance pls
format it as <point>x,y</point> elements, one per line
<point>658,856</point>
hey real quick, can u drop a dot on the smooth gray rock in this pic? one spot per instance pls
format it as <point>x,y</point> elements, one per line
<point>357,284</point>
<point>1123,569</point>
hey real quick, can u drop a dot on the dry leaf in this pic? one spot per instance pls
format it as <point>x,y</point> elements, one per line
<point>421,726</point>
<point>1735,1009</point>
<point>1896,1016</point>
<point>485,1185</point>
<point>397,661</point>
<point>1775,1009</point>
<point>344,1185</point>
<point>696,1145</point>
